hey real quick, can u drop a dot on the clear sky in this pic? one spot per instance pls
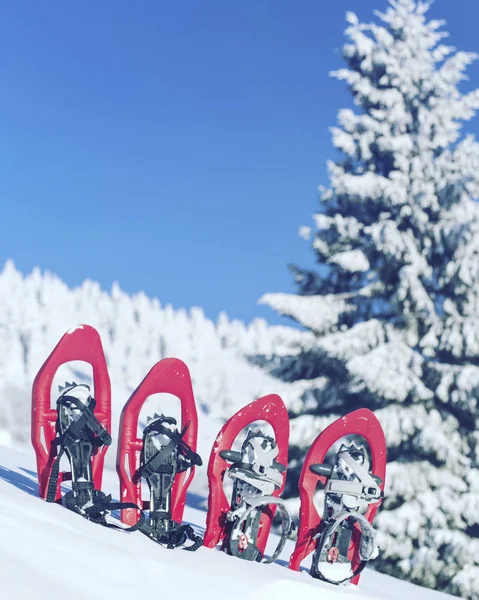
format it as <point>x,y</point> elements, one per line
<point>174,147</point>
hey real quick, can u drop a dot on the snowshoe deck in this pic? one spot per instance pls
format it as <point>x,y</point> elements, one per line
<point>344,539</point>
<point>258,471</point>
<point>165,454</point>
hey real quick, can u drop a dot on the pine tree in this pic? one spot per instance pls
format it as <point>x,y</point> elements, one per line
<point>391,316</point>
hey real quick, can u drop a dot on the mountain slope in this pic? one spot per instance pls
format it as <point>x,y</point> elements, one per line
<point>49,553</point>
<point>136,331</point>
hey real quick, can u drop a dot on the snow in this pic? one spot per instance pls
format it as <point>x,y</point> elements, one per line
<point>351,260</point>
<point>50,553</point>
<point>319,313</point>
<point>392,371</point>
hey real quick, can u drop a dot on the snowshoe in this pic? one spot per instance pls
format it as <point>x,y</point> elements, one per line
<point>350,489</point>
<point>258,472</point>
<point>164,456</point>
<point>342,540</point>
<point>78,426</point>
<point>80,343</point>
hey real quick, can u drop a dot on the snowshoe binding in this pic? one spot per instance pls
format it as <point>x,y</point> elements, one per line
<point>350,490</point>
<point>164,454</point>
<point>79,436</point>
<point>256,475</point>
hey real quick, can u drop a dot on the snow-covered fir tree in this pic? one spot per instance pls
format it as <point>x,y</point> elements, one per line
<point>391,317</point>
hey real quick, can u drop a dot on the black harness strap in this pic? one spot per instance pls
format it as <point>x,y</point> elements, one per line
<point>98,510</point>
<point>174,537</point>
<point>98,437</point>
<point>190,533</point>
<point>82,435</point>
<point>175,457</point>
<point>177,441</point>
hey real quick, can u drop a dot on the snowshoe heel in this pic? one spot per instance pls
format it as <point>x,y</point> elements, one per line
<point>243,548</point>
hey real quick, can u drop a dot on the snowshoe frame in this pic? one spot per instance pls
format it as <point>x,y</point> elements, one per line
<point>361,422</point>
<point>271,409</point>
<point>79,343</point>
<point>170,376</point>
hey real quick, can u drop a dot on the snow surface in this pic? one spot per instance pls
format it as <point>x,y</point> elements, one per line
<point>50,553</point>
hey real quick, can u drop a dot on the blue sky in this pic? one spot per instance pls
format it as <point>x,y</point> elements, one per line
<point>174,147</point>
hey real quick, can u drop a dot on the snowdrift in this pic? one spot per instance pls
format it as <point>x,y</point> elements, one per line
<point>49,553</point>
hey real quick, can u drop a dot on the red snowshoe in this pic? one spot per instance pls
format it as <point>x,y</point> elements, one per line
<point>162,456</point>
<point>258,472</point>
<point>80,424</point>
<point>342,540</point>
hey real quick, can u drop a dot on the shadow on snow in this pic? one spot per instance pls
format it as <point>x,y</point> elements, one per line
<point>20,481</point>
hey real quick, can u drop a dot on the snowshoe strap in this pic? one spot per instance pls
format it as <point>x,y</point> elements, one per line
<point>353,488</point>
<point>174,537</point>
<point>176,440</point>
<point>156,462</point>
<point>365,489</point>
<point>287,525</point>
<point>97,511</point>
<point>188,531</point>
<point>267,481</point>
<point>54,474</point>
<point>87,418</point>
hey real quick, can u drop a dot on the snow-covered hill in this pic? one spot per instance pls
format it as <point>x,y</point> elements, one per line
<point>136,331</point>
<point>49,553</point>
